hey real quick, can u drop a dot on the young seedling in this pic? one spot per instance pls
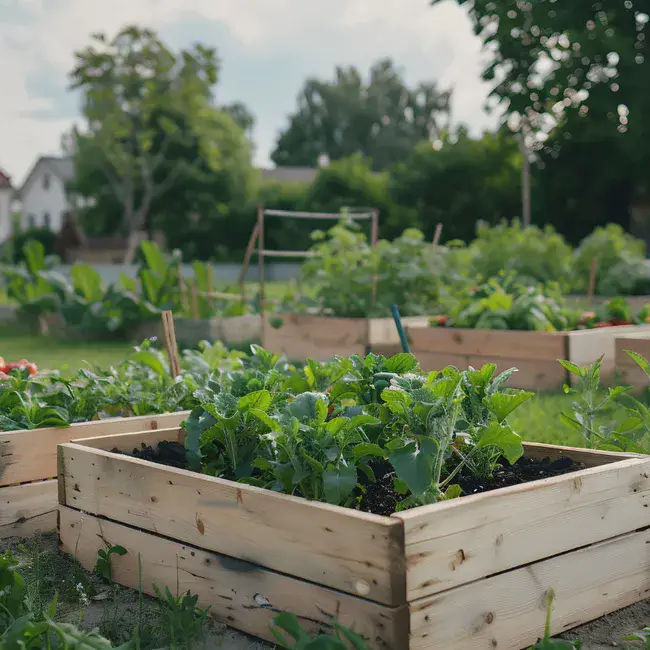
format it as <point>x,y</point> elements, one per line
<point>547,643</point>
<point>103,566</point>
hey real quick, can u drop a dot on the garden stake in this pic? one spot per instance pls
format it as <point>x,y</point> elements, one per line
<point>170,343</point>
<point>400,328</point>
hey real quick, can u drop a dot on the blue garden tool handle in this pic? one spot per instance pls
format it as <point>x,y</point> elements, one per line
<point>400,328</point>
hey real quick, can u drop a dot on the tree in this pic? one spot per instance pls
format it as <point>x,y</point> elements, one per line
<point>464,181</point>
<point>578,67</point>
<point>141,102</point>
<point>382,119</point>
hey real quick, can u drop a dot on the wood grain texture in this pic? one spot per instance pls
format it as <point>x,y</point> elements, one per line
<point>531,374</point>
<point>543,346</point>
<point>382,331</point>
<point>507,611</point>
<point>24,509</point>
<point>355,552</point>
<point>303,336</point>
<point>241,594</point>
<point>31,455</point>
<point>627,370</point>
<point>453,543</point>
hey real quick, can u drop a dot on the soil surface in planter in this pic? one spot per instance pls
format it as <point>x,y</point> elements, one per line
<point>379,497</point>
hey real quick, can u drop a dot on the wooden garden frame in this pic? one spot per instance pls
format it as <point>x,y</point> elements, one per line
<point>474,572</point>
<point>28,486</point>
<point>628,371</point>
<point>534,354</point>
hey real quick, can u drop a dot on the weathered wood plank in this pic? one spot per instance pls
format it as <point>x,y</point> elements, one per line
<point>242,595</point>
<point>24,509</point>
<point>382,331</point>
<point>531,374</point>
<point>508,344</point>
<point>627,370</point>
<point>507,611</point>
<point>355,552</point>
<point>303,336</point>
<point>31,455</point>
<point>456,542</point>
<point>588,457</point>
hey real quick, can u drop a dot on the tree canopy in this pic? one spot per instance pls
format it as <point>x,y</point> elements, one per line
<point>381,118</point>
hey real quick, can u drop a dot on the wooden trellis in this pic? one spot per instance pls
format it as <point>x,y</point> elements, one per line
<point>256,242</point>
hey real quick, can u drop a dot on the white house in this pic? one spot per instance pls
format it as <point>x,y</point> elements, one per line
<point>44,195</point>
<point>6,200</point>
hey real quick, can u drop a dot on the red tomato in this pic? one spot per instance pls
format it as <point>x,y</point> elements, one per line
<point>441,320</point>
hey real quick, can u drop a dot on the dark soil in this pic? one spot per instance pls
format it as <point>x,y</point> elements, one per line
<point>171,454</point>
<point>379,496</point>
<point>524,470</point>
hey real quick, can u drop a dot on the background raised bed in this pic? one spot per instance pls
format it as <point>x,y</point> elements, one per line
<point>534,354</point>
<point>28,465</point>
<point>300,336</point>
<point>472,572</point>
<point>627,370</point>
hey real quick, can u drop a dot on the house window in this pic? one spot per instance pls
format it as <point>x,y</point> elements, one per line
<point>31,221</point>
<point>46,181</point>
<point>46,220</point>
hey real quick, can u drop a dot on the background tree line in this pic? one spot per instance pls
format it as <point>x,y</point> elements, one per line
<point>156,153</point>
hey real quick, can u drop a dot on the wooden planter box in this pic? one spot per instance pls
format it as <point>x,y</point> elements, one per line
<point>233,330</point>
<point>637,303</point>
<point>535,354</point>
<point>627,370</point>
<point>460,575</point>
<point>301,336</point>
<point>28,495</point>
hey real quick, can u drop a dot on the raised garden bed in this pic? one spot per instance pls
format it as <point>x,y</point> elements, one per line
<point>628,371</point>
<point>301,336</point>
<point>231,330</point>
<point>28,488</point>
<point>535,354</point>
<point>473,572</point>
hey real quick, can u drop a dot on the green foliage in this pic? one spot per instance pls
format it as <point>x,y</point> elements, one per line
<point>621,268</point>
<point>535,255</point>
<point>640,635</point>
<point>278,428</point>
<point>547,643</point>
<point>381,118</point>
<point>185,621</point>
<point>42,235</point>
<point>286,628</point>
<point>503,303</point>
<point>103,565</point>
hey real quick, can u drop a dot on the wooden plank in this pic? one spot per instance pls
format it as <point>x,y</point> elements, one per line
<point>31,455</point>
<point>24,509</point>
<point>129,441</point>
<point>240,329</point>
<point>507,611</point>
<point>355,552</point>
<point>508,344</point>
<point>318,215</point>
<point>382,331</point>
<point>531,374</point>
<point>588,457</point>
<point>456,542</point>
<point>301,336</point>
<point>241,594</point>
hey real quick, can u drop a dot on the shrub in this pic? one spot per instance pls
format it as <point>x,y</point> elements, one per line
<point>43,235</point>
<point>621,268</point>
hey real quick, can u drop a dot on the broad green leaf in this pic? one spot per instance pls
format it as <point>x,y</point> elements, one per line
<point>641,361</point>
<point>262,416</point>
<point>368,449</point>
<point>337,425</point>
<point>401,363</point>
<point>363,420</point>
<point>314,464</point>
<point>309,407</point>
<point>574,424</point>
<point>259,400</point>
<point>501,405</point>
<point>151,360</point>
<point>87,281</point>
<point>397,400</point>
<point>414,466</point>
<point>339,483</point>
<point>453,492</point>
<point>154,258</point>
<point>263,464</point>
<point>127,282</point>
<point>503,437</point>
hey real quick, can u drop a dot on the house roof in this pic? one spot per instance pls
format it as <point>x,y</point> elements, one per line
<point>290,174</point>
<point>62,168</point>
<point>5,179</point>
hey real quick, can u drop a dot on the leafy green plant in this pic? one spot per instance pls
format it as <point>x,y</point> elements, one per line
<point>184,620</point>
<point>286,628</point>
<point>547,643</point>
<point>640,635</point>
<point>103,565</point>
<point>591,406</point>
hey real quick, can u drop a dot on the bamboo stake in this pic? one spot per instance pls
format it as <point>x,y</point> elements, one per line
<point>592,280</point>
<point>169,334</point>
<point>195,303</point>
<point>437,234</point>
<point>260,257</point>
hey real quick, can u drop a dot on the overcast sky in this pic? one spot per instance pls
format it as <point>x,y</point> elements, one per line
<point>268,48</point>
